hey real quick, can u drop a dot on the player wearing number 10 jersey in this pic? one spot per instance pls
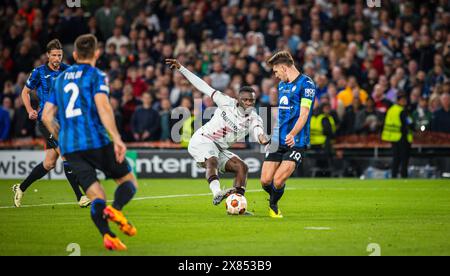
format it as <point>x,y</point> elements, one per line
<point>80,100</point>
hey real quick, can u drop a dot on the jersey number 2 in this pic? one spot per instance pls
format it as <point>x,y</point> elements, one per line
<point>71,111</point>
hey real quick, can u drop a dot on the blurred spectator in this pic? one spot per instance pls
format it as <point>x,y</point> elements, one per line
<point>441,118</point>
<point>368,120</point>
<point>21,125</point>
<point>351,92</point>
<point>129,105</point>
<point>146,121</point>
<point>5,124</point>
<point>118,39</point>
<point>219,79</point>
<point>166,121</point>
<point>349,120</point>
<point>381,103</point>
<point>8,106</point>
<point>106,17</point>
<point>422,116</point>
<point>137,82</point>
<point>115,103</point>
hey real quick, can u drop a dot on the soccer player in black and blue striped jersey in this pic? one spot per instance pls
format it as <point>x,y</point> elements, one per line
<point>89,138</point>
<point>296,95</point>
<point>40,80</point>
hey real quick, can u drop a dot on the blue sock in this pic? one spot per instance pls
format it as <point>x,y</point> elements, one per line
<point>277,194</point>
<point>268,188</point>
<point>97,207</point>
<point>124,193</point>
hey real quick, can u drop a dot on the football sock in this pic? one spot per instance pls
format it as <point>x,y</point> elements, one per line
<point>71,177</point>
<point>37,173</point>
<point>97,207</point>
<point>276,196</point>
<point>214,184</point>
<point>124,193</point>
<point>240,190</point>
<point>268,188</point>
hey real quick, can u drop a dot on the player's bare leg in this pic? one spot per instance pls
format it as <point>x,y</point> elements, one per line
<point>240,169</point>
<point>127,187</point>
<point>97,195</point>
<point>267,174</point>
<point>37,173</point>
<point>212,176</point>
<point>282,174</point>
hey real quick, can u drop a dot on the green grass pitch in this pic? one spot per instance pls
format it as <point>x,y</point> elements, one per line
<point>176,217</point>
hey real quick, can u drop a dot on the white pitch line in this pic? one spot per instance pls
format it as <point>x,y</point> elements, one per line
<point>317,228</point>
<point>134,199</point>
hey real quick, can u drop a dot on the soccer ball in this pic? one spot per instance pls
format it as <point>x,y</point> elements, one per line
<point>236,204</point>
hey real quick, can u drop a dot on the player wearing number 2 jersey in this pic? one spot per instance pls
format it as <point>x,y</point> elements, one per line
<point>232,121</point>
<point>296,93</point>
<point>80,101</point>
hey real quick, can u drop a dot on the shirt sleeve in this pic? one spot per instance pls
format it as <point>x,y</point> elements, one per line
<point>222,100</point>
<point>307,94</point>
<point>197,82</point>
<point>257,127</point>
<point>102,84</point>
<point>33,80</point>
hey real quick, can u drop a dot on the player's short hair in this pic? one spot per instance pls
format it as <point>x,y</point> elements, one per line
<point>85,46</point>
<point>55,44</point>
<point>246,89</point>
<point>281,57</point>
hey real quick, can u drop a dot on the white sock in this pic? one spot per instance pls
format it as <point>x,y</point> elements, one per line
<point>215,187</point>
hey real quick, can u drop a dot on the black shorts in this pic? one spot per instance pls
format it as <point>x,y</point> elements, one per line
<point>286,154</point>
<point>51,143</point>
<point>85,163</point>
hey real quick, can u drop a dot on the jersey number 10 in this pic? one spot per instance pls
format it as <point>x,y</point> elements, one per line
<point>71,111</point>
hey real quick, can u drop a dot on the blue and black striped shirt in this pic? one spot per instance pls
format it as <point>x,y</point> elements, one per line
<point>41,79</point>
<point>73,93</point>
<point>291,97</point>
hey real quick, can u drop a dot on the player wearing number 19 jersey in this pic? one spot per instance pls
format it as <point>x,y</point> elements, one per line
<point>80,101</point>
<point>296,93</point>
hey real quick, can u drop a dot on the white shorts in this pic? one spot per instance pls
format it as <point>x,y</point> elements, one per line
<point>202,148</point>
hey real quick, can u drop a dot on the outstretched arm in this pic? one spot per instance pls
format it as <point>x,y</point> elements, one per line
<point>197,82</point>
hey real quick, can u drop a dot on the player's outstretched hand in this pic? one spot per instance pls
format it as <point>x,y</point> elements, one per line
<point>290,140</point>
<point>173,63</point>
<point>120,150</point>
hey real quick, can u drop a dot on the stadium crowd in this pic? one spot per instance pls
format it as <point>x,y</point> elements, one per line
<point>361,58</point>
